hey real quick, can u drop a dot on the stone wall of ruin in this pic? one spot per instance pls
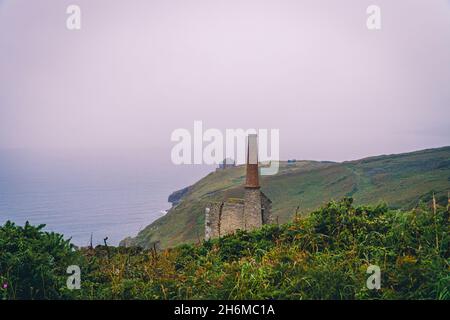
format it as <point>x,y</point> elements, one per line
<point>222,218</point>
<point>213,214</point>
<point>232,217</point>
<point>266,209</point>
<point>252,208</point>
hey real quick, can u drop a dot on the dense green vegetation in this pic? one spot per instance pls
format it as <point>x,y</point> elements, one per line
<point>323,255</point>
<point>400,180</point>
<point>33,262</point>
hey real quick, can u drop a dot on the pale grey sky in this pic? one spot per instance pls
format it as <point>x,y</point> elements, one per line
<point>137,70</point>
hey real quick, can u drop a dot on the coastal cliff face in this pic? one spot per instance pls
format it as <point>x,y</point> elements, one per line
<point>401,180</point>
<point>176,196</point>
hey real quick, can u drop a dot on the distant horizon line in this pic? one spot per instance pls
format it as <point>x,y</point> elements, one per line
<point>72,149</point>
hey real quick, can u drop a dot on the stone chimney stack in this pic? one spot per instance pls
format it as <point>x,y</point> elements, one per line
<point>252,194</point>
<point>252,178</point>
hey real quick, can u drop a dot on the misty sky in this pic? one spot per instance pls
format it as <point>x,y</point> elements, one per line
<point>137,70</point>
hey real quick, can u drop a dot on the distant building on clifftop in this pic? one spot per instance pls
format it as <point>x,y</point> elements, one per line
<point>227,163</point>
<point>251,212</point>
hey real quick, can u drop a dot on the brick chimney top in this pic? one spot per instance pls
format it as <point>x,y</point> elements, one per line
<point>252,179</point>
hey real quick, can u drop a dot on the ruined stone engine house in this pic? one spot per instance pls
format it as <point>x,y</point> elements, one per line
<point>251,212</point>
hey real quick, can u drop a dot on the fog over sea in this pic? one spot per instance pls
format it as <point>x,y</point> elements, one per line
<point>108,193</point>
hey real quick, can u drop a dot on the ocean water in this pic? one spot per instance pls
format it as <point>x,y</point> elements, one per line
<point>80,193</point>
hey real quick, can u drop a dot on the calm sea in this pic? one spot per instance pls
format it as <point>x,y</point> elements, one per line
<point>113,193</point>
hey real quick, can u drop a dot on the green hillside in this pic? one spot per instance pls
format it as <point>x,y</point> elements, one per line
<point>401,180</point>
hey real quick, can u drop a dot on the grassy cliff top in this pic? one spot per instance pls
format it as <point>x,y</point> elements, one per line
<point>402,180</point>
